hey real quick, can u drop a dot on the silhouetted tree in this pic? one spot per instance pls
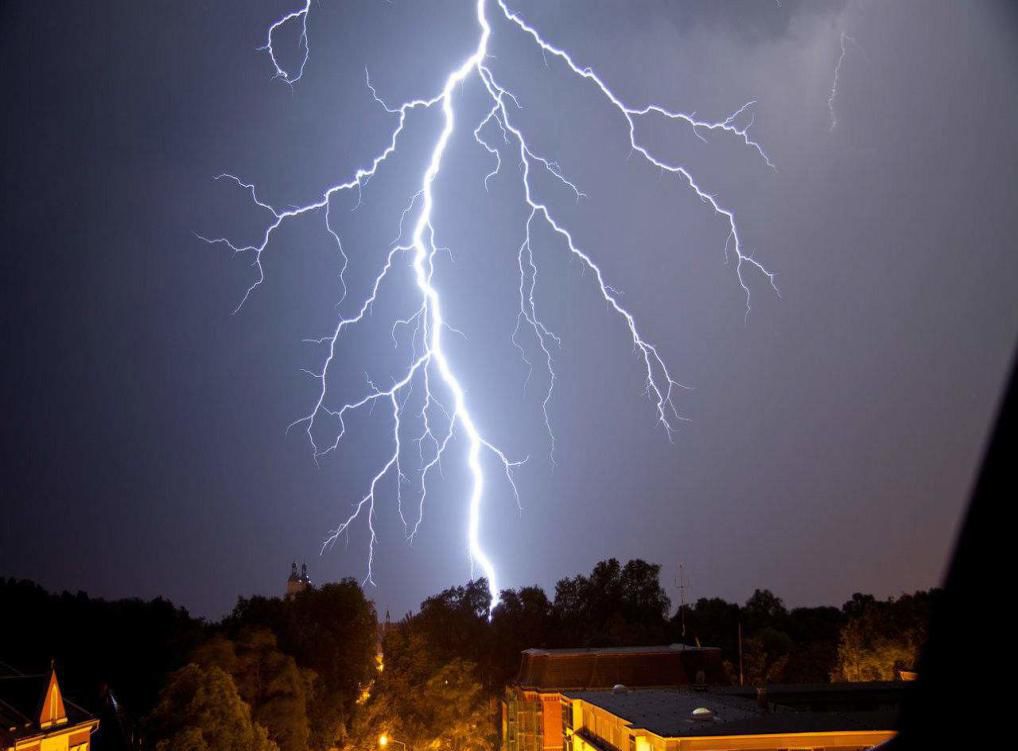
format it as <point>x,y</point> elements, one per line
<point>330,630</point>
<point>454,623</point>
<point>201,710</point>
<point>523,618</point>
<point>855,607</point>
<point>267,680</point>
<point>762,610</point>
<point>712,622</point>
<point>882,637</point>
<point>455,713</point>
<point>814,633</point>
<point>430,695</point>
<point>765,656</point>
<point>614,606</point>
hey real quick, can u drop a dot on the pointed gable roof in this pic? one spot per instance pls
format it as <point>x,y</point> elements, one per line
<point>33,703</point>
<point>53,712</point>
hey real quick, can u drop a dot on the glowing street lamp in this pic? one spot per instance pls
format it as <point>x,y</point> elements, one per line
<point>385,739</point>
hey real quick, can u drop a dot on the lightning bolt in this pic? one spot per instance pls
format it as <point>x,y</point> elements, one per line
<point>834,83</point>
<point>428,419</point>
<point>296,17</point>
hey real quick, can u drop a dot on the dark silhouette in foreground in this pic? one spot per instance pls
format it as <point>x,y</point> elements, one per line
<point>960,624</point>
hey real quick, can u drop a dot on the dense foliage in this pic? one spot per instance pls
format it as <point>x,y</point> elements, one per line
<point>882,637</point>
<point>201,710</point>
<point>306,672</point>
<point>268,681</point>
<point>331,632</point>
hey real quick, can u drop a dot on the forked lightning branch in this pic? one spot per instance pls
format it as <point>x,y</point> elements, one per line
<point>439,424</point>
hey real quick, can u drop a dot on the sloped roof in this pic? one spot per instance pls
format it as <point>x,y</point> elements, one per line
<point>21,704</point>
<point>53,710</point>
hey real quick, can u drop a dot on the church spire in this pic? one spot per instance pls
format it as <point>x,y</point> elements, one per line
<point>297,582</point>
<point>53,712</point>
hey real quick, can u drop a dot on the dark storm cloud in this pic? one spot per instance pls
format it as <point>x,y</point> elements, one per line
<point>834,434</point>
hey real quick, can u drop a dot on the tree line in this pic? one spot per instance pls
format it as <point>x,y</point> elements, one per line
<point>320,671</point>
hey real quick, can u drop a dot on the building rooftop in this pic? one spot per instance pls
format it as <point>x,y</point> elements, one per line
<point>669,714</point>
<point>21,704</point>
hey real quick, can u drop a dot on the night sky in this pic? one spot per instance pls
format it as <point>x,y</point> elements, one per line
<point>834,432</point>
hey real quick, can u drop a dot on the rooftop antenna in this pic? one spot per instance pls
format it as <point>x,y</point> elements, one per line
<point>740,653</point>
<point>682,599</point>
